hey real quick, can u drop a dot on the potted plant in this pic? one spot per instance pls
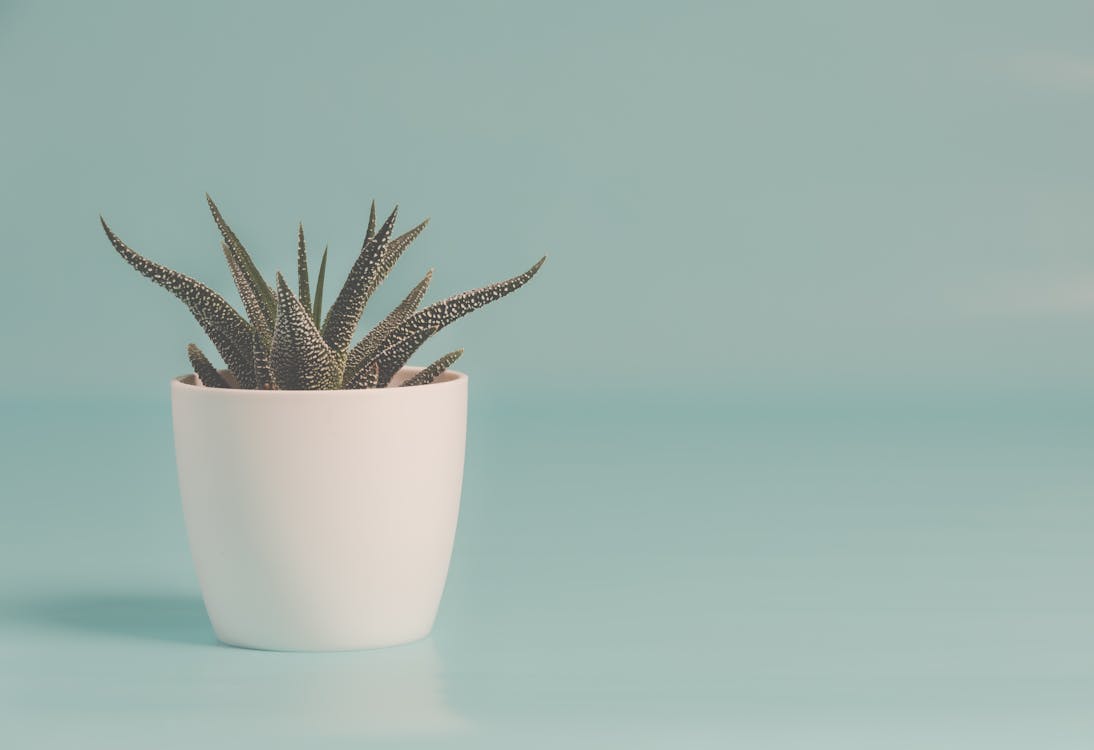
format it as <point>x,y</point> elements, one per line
<point>320,478</point>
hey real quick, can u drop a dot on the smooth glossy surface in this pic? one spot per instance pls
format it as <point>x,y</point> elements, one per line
<point>777,572</point>
<point>321,521</point>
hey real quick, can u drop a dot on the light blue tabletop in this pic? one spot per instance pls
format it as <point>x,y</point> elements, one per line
<point>768,573</point>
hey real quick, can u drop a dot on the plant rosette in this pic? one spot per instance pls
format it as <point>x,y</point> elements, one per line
<point>320,478</point>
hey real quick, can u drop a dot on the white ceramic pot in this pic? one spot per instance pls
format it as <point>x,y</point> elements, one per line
<point>321,520</point>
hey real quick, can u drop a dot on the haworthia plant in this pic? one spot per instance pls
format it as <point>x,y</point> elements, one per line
<point>286,342</point>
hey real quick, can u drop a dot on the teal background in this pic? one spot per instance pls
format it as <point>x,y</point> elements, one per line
<point>788,445</point>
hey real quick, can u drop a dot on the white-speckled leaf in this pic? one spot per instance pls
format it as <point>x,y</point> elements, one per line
<point>371,231</point>
<point>303,287</point>
<point>367,348</point>
<point>429,374</point>
<point>204,369</point>
<point>299,358</point>
<point>393,357</point>
<point>244,370</point>
<point>255,311</point>
<point>392,252</point>
<point>365,377</point>
<point>259,286</point>
<point>440,314</point>
<point>226,328</point>
<point>345,312</point>
<point>263,376</point>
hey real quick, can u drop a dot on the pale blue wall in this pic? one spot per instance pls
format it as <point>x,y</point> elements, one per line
<point>802,195</point>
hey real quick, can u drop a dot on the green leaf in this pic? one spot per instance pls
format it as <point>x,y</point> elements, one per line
<point>303,285</point>
<point>440,314</point>
<point>243,259</point>
<point>226,328</point>
<point>367,348</point>
<point>366,377</point>
<point>371,222</point>
<point>390,256</point>
<point>263,375</point>
<point>396,355</point>
<point>345,313</point>
<point>299,358</point>
<point>203,368</point>
<point>255,311</point>
<point>317,310</point>
<point>429,374</point>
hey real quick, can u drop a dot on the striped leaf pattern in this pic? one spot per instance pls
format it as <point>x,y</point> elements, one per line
<point>429,374</point>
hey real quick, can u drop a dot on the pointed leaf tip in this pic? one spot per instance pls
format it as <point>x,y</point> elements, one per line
<point>371,230</point>
<point>345,314</point>
<point>303,281</point>
<point>243,259</point>
<point>317,302</point>
<point>251,303</point>
<point>429,374</point>
<point>299,358</point>
<point>442,313</point>
<point>229,332</point>
<point>206,373</point>
<point>369,346</point>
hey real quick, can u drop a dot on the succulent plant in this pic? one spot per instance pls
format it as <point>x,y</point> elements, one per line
<point>284,341</point>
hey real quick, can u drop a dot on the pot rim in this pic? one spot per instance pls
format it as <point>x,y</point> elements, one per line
<point>447,379</point>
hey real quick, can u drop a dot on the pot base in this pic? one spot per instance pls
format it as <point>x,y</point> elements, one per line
<point>316,647</point>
